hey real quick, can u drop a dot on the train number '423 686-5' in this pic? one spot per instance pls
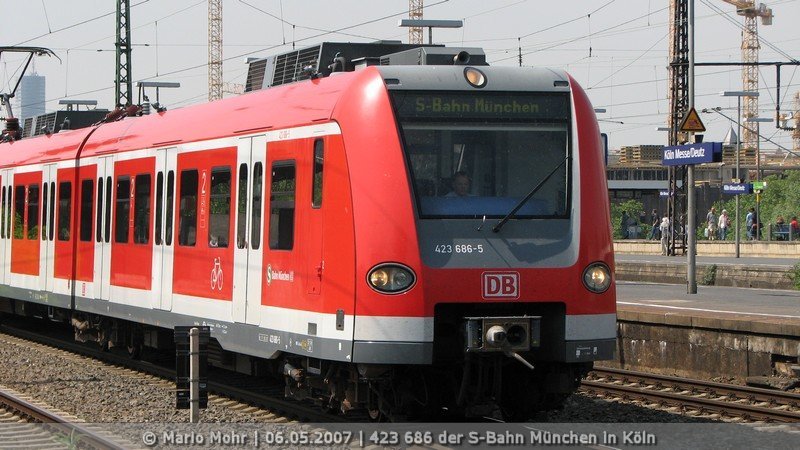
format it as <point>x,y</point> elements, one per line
<point>458,248</point>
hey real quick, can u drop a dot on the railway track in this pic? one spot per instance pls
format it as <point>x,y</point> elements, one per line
<point>743,403</point>
<point>19,416</point>
<point>236,391</point>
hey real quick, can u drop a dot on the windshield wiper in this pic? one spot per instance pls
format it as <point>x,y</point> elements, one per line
<point>522,202</point>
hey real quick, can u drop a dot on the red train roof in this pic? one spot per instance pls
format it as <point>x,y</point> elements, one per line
<point>280,107</point>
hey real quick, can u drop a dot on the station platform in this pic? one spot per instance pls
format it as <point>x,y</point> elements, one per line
<point>768,311</point>
<point>767,272</point>
<point>733,333</point>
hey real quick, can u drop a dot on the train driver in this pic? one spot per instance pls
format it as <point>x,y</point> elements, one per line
<point>461,184</point>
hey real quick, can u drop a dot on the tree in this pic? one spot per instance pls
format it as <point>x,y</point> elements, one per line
<point>633,208</point>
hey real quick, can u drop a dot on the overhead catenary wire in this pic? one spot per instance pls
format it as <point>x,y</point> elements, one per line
<point>77,24</point>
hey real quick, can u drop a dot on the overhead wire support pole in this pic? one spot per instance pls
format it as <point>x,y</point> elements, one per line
<point>679,107</point>
<point>691,209</point>
<point>123,83</point>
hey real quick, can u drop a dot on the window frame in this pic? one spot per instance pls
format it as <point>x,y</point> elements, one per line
<point>256,206</point>
<point>169,216</point>
<point>99,212</point>
<point>19,234</point>
<point>276,240</point>
<point>138,236</point>
<point>86,217</point>
<point>122,226</point>
<point>317,173</point>
<point>188,221</point>
<point>158,206</point>
<point>65,213</point>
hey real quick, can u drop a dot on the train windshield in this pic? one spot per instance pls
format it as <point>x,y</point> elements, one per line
<point>480,154</point>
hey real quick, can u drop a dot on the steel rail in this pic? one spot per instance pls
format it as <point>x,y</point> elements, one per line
<point>741,392</point>
<point>651,388</point>
<point>85,436</point>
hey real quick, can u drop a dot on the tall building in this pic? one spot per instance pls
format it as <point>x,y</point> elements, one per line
<point>31,96</point>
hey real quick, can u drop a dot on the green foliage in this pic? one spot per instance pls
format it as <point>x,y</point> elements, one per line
<point>795,276</point>
<point>709,276</point>
<point>780,198</point>
<point>633,208</point>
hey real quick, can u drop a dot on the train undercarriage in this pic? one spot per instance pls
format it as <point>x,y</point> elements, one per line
<point>493,386</point>
<point>460,384</point>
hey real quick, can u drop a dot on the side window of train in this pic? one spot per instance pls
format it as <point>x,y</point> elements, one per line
<point>123,210</point>
<point>45,199</point>
<point>87,199</point>
<point>10,203</point>
<point>3,217</point>
<point>33,212</point>
<point>255,222</point>
<point>159,201</point>
<point>241,209</point>
<point>107,230</point>
<point>170,206</point>
<point>52,220</point>
<point>141,209</point>
<point>99,217</point>
<point>219,220</point>
<point>19,211</point>
<point>187,220</point>
<point>281,206</point>
<point>64,210</point>
<point>316,188</point>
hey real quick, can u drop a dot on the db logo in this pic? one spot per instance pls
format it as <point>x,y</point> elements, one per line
<point>500,285</point>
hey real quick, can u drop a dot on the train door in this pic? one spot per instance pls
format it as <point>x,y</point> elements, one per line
<point>47,262</point>
<point>249,251</point>
<point>102,239</point>
<point>163,254</point>
<point>315,220</point>
<point>5,218</point>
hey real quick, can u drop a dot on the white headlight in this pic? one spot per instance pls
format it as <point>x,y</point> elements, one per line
<point>391,278</point>
<point>597,277</point>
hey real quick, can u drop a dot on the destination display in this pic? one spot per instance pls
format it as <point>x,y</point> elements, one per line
<point>737,188</point>
<point>680,155</point>
<point>480,105</point>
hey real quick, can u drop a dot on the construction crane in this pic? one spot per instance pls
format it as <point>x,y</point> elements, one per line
<point>750,46</point>
<point>415,13</point>
<point>214,50</point>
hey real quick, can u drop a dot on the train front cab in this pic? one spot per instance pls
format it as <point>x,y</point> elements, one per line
<point>500,264</point>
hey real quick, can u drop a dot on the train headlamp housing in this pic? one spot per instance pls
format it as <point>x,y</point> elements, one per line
<point>391,278</point>
<point>475,77</point>
<point>597,277</point>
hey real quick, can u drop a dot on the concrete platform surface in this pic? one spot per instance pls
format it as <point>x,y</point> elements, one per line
<point>763,311</point>
<point>734,333</point>
<point>753,261</point>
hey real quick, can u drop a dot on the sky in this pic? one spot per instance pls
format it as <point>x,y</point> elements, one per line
<point>616,49</point>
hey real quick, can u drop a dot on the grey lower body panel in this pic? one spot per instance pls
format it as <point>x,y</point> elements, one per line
<point>589,350</point>
<point>371,352</point>
<point>235,337</point>
<point>40,297</point>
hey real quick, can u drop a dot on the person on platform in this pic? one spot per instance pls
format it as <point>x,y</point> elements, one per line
<point>711,223</point>
<point>794,228</point>
<point>748,222</point>
<point>664,229</point>
<point>655,221</point>
<point>724,223</point>
<point>623,225</point>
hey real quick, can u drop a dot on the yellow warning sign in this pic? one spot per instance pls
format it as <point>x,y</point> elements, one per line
<point>692,122</point>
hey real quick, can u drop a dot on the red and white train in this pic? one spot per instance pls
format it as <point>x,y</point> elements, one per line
<point>400,238</point>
